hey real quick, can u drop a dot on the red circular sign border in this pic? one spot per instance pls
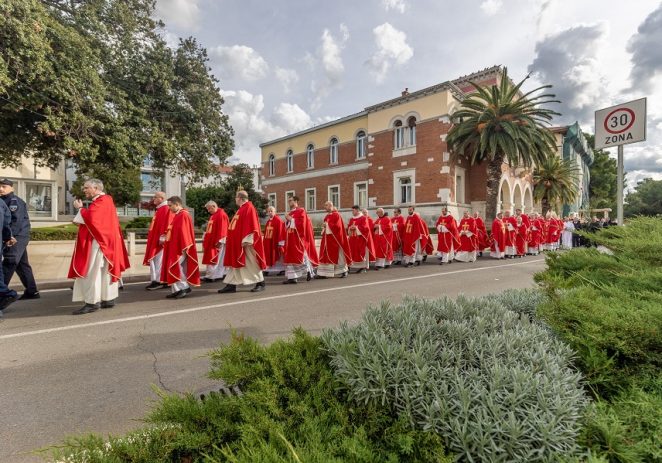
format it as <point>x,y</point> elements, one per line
<point>626,128</point>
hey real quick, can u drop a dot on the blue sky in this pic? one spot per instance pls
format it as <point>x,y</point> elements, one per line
<point>287,65</point>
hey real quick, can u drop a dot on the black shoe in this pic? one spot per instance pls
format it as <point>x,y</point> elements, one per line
<point>87,308</point>
<point>258,287</point>
<point>361,270</point>
<point>154,285</point>
<point>376,269</point>
<point>441,263</point>
<point>388,266</point>
<point>281,273</point>
<point>319,277</point>
<point>228,289</point>
<point>291,281</point>
<point>418,262</point>
<point>344,275</point>
<point>108,304</point>
<point>175,294</point>
<point>309,276</point>
<point>6,301</point>
<point>409,265</point>
<point>425,258</point>
<point>182,294</point>
<point>27,296</point>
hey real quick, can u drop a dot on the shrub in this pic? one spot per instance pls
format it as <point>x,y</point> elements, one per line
<point>138,223</point>
<point>66,232</point>
<point>495,386</point>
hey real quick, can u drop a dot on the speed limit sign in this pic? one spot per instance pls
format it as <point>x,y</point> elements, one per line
<point>621,125</point>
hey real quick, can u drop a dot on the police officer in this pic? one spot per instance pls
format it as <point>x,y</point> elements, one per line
<point>7,296</point>
<point>16,257</point>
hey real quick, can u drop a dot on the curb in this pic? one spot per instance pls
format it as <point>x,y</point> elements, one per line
<point>68,283</point>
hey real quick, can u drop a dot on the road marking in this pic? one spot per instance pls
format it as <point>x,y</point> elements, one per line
<point>253,301</point>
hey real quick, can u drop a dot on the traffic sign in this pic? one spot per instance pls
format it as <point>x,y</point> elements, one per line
<point>621,125</point>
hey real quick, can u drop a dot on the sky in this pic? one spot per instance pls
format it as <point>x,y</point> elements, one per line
<point>287,65</point>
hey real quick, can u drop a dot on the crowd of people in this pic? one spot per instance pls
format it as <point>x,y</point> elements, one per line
<point>237,252</point>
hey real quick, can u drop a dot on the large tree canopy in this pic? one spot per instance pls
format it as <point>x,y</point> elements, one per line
<point>646,199</point>
<point>93,80</point>
<point>603,185</point>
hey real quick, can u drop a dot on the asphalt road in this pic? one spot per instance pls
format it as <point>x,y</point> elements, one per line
<point>62,375</point>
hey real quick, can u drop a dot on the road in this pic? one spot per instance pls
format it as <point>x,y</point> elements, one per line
<point>62,375</point>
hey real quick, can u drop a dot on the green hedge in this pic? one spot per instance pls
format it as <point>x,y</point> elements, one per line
<point>64,232</point>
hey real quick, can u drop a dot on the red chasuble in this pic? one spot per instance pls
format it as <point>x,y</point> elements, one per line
<point>450,239</point>
<point>510,234</point>
<point>335,242</point>
<point>499,233</point>
<point>244,223</point>
<point>414,230</point>
<point>158,226</point>
<point>384,242</point>
<point>468,243</point>
<point>553,231</point>
<point>299,238</point>
<point>521,238</point>
<point>360,239</point>
<point>535,233</point>
<point>102,225</point>
<point>274,233</point>
<point>180,241</point>
<point>398,228</point>
<point>482,234</point>
<point>217,229</point>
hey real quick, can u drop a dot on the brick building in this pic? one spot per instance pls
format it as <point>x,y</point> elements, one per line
<point>391,154</point>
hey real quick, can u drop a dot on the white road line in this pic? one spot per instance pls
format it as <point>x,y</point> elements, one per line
<point>253,301</point>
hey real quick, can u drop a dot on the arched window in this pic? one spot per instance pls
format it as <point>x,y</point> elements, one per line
<point>290,160</point>
<point>360,145</point>
<point>272,165</point>
<point>333,151</point>
<point>399,135</point>
<point>411,122</point>
<point>310,156</point>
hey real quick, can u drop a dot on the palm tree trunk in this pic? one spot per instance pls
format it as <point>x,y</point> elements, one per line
<point>492,193</point>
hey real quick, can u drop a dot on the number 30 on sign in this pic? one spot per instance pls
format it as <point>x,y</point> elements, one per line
<point>621,125</point>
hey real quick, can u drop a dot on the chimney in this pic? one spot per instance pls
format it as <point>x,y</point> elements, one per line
<point>405,92</point>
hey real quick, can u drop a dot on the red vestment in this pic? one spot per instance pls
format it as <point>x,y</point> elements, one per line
<point>482,241</point>
<point>521,238</point>
<point>414,230</point>
<point>243,223</point>
<point>535,233</point>
<point>468,243</point>
<point>274,233</point>
<point>217,229</point>
<point>499,234</point>
<point>102,225</point>
<point>398,228</point>
<point>450,239</point>
<point>510,234</point>
<point>426,242</point>
<point>360,239</point>
<point>335,242</point>
<point>553,231</point>
<point>158,227</point>
<point>300,238</point>
<point>180,242</point>
<point>383,241</point>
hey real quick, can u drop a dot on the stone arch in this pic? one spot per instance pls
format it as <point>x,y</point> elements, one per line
<point>518,196</point>
<point>505,202</point>
<point>528,199</point>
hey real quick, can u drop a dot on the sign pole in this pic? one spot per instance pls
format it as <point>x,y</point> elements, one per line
<point>619,187</point>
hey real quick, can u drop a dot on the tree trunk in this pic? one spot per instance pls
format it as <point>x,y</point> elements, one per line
<point>492,193</point>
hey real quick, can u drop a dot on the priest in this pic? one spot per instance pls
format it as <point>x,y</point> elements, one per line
<point>398,223</point>
<point>300,251</point>
<point>511,230</point>
<point>360,241</point>
<point>274,242</point>
<point>213,242</point>
<point>448,238</point>
<point>383,240</point>
<point>100,255</point>
<point>180,256</point>
<point>155,239</point>
<point>335,253</point>
<point>413,238</point>
<point>498,239</point>
<point>468,235</point>
<point>244,253</point>
<point>481,240</point>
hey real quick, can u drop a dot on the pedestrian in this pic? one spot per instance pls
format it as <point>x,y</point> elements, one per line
<point>100,255</point>
<point>398,223</point>
<point>300,251</point>
<point>413,238</point>
<point>335,254</point>
<point>511,229</point>
<point>383,240</point>
<point>213,242</point>
<point>7,296</point>
<point>499,237</point>
<point>274,243</point>
<point>155,239</point>
<point>482,241</point>
<point>567,235</point>
<point>468,236</point>
<point>361,244</point>
<point>535,233</point>
<point>15,257</point>
<point>521,237</point>
<point>244,253</point>
<point>448,237</point>
<point>180,267</point>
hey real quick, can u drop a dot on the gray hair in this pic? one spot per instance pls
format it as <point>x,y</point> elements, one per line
<point>211,203</point>
<point>95,182</point>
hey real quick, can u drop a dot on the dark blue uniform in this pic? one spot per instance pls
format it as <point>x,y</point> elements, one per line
<point>16,257</point>
<point>7,296</point>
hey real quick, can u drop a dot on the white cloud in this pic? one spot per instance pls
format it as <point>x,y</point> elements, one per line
<point>329,54</point>
<point>239,62</point>
<point>287,78</point>
<point>179,13</point>
<point>491,7</point>
<point>392,49</point>
<point>646,49</point>
<point>291,117</point>
<point>398,5</point>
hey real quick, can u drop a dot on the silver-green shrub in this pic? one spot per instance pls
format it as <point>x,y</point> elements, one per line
<point>495,385</point>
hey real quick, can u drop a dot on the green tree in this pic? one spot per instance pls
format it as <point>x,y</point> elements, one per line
<point>646,199</point>
<point>603,185</point>
<point>499,124</point>
<point>555,182</point>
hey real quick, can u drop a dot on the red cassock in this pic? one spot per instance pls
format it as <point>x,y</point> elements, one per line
<point>358,242</point>
<point>244,222</point>
<point>384,241</point>
<point>535,233</point>
<point>499,234</point>
<point>468,243</point>
<point>398,228</point>
<point>521,238</point>
<point>544,236</point>
<point>553,231</point>
<point>414,230</point>
<point>426,242</point>
<point>482,240</point>
<point>274,233</point>
<point>180,241</point>
<point>300,238</point>
<point>451,239</point>
<point>217,229</point>
<point>158,227</point>
<point>526,220</point>
<point>336,242</point>
<point>102,225</point>
<point>510,234</point>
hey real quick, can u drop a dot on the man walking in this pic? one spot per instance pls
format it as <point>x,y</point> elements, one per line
<point>334,249</point>
<point>398,223</point>
<point>300,252</point>
<point>15,258</point>
<point>274,242</point>
<point>213,243</point>
<point>100,255</point>
<point>7,296</point>
<point>383,239</point>
<point>156,238</point>
<point>413,238</point>
<point>360,241</point>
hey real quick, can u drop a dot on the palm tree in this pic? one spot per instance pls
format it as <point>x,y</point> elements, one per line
<point>555,181</point>
<point>500,124</point>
